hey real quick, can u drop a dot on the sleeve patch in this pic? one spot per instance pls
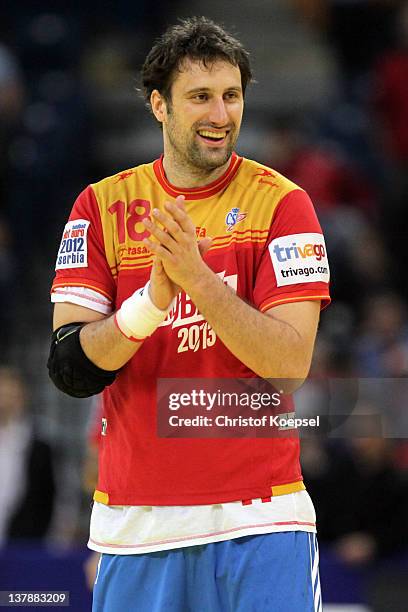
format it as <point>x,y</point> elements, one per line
<point>299,258</point>
<point>73,250</point>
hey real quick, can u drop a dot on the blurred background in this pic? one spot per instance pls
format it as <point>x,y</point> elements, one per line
<point>330,111</point>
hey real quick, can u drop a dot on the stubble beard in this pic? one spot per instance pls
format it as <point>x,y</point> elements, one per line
<point>195,156</point>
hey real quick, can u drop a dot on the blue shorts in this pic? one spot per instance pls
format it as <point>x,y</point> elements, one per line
<point>274,572</point>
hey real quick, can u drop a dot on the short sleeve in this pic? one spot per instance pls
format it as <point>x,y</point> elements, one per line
<point>294,265</point>
<point>81,259</point>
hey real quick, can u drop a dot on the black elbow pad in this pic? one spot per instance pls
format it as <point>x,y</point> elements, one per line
<point>70,369</point>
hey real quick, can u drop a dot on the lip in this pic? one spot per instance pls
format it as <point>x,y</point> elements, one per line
<point>213,143</point>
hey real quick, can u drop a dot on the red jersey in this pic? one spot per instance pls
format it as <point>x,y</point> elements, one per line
<point>268,246</point>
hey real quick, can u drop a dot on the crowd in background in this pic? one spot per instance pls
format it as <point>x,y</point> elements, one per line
<point>70,115</point>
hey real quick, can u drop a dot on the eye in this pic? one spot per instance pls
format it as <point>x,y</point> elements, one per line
<point>232,95</point>
<point>201,97</point>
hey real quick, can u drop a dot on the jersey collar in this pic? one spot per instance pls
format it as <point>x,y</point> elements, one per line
<point>197,193</point>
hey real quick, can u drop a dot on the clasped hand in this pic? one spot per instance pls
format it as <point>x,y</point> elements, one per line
<point>176,249</point>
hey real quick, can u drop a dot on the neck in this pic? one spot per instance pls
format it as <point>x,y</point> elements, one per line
<point>182,175</point>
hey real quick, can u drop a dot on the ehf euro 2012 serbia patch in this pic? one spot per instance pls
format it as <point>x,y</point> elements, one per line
<point>73,251</point>
<point>299,258</point>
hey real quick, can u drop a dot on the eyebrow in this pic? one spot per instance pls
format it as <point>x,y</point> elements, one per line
<point>197,89</point>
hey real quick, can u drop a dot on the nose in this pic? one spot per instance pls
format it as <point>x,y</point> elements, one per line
<point>218,113</point>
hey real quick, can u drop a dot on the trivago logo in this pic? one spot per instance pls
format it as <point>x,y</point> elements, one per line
<point>299,258</point>
<point>295,251</point>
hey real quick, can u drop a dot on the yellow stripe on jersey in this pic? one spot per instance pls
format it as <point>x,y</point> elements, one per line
<point>126,199</point>
<point>101,497</point>
<point>286,489</point>
<point>291,487</point>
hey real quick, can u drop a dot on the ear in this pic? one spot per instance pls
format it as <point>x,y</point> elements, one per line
<point>158,105</point>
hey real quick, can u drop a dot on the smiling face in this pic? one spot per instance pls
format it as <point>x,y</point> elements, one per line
<point>201,123</point>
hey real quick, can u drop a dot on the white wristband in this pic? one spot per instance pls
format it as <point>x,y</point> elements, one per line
<point>138,317</point>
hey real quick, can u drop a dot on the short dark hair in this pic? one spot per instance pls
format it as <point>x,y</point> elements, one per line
<point>197,38</point>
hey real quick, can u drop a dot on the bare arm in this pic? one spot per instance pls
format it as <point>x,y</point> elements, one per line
<point>100,338</point>
<point>278,344</point>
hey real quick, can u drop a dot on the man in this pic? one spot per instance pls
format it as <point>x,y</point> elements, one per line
<point>27,492</point>
<point>192,524</point>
